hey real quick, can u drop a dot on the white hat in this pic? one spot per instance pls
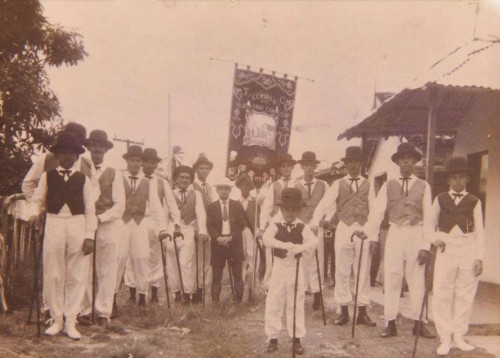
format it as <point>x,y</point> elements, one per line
<point>224,182</point>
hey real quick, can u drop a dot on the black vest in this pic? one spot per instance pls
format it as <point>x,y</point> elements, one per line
<point>461,214</point>
<point>294,236</point>
<point>60,192</point>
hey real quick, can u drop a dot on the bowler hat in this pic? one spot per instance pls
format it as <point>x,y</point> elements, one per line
<point>150,153</point>
<point>406,148</point>
<point>133,151</point>
<point>183,169</point>
<point>202,159</point>
<point>77,129</point>
<point>353,153</point>
<point>291,198</point>
<point>283,158</point>
<point>224,182</point>
<point>457,165</point>
<point>98,136</point>
<point>67,140</point>
<point>308,157</point>
<point>243,179</point>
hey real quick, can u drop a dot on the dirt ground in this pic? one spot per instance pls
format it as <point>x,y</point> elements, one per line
<point>225,330</point>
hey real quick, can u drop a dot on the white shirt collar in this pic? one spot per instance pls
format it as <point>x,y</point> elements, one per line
<point>451,192</point>
<point>178,190</point>
<point>73,169</point>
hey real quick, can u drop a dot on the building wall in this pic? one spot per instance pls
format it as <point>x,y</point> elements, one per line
<point>478,132</point>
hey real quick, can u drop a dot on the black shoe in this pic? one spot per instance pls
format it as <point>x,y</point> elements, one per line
<point>390,330</point>
<point>84,320</point>
<point>102,321</point>
<point>132,291</point>
<point>114,311</point>
<point>154,295</point>
<point>424,332</point>
<point>298,347</point>
<point>344,317</point>
<point>142,300</point>
<point>272,346</point>
<point>177,296</point>
<point>317,301</point>
<point>363,318</point>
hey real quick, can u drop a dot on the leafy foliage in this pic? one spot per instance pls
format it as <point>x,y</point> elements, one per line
<point>29,110</point>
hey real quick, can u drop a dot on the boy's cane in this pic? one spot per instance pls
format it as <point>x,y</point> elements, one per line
<point>203,273</point>
<point>35,285</point>
<point>363,238</point>
<point>37,262</point>
<point>320,288</point>
<point>196,237</point>
<point>230,277</point>
<point>179,263</point>
<point>164,261</point>
<point>295,301</point>
<point>425,300</point>
<point>94,276</point>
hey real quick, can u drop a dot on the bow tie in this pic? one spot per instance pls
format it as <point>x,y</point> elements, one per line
<point>97,167</point>
<point>149,177</point>
<point>309,191</point>
<point>456,196</point>
<point>65,173</point>
<point>133,178</point>
<point>404,186</point>
<point>289,226</point>
<point>285,182</point>
<point>354,180</point>
<point>183,195</point>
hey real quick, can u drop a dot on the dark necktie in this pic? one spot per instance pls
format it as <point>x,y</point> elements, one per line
<point>309,191</point>
<point>404,185</point>
<point>205,188</point>
<point>289,226</point>
<point>65,173</point>
<point>133,182</point>
<point>183,195</point>
<point>285,182</point>
<point>456,196</point>
<point>149,177</point>
<point>354,180</point>
<point>225,216</point>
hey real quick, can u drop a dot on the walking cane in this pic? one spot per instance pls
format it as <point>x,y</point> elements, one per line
<point>37,262</point>
<point>35,285</point>
<point>94,276</point>
<point>320,288</point>
<point>425,300</point>
<point>196,237</point>
<point>164,261</point>
<point>179,263</point>
<point>255,249</point>
<point>298,256</point>
<point>203,273</point>
<point>230,278</point>
<point>363,237</point>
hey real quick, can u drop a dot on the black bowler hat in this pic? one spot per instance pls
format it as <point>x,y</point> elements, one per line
<point>78,130</point>
<point>184,169</point>
<point>457,165</point>
<point>406,148</point>
<point>283,158</point>
<point>308,157</point>
<point>353,153</point>
<point>67,140</point>
<point>291,198</point>
<point>133,151</point>
<point>98,136</point>
<point>150,153</point>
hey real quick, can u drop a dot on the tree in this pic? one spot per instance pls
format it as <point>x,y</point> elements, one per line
<point>29,110</point>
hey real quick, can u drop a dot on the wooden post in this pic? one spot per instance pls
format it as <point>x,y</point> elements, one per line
<point>431,135</point>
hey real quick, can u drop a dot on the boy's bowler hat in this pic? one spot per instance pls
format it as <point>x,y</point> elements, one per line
<point>98,136</point>
<point>353,153</point>
<point>308,157</point>
<point>151,154</point>
<point>291,198</point>
<point>283,158</point>
<point>202,159</point>
<point>457,165</point>
<point>406,148</point>
<point>67,140</point>
<point>133,151</point>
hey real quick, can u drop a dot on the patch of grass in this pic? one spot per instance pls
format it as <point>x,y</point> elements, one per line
<point>484,329</point>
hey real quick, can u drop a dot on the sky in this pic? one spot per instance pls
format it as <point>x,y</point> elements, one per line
<point>140,52</point>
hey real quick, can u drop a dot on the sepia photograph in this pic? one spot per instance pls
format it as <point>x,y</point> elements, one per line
<point>249,178</point>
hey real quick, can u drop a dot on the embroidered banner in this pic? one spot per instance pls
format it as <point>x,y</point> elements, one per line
<point>261,119</point>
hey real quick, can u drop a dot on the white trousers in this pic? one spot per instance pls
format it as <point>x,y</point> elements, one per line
<point>106,265</point>
<point>185,251</point>
<point>65,268</point>
<point>281,296</point>
<point>250,251</point>
<point>155,260</point>
<point>269,267</point>
<point>454,286</point>
<point>134,244</point>
<point>402,245</point>
<point>347,261</point>
<point>311,266</point>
